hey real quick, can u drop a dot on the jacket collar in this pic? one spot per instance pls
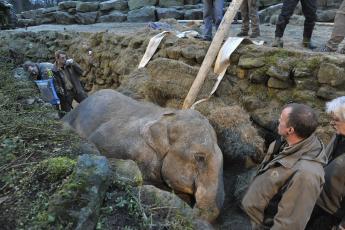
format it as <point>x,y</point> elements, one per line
<point>310,148</point>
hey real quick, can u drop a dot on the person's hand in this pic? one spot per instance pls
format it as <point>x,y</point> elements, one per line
<point>69,62</point>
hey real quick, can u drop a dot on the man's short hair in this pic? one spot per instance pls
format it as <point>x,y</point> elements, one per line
<point>337,107</point>
<point>27,64</point>
<point>303,119</point>
<point>58,53</point>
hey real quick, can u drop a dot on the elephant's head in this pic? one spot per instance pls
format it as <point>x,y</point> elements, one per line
<point>192,162</point>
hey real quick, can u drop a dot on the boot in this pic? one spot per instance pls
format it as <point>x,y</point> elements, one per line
<point>308,44</point>
<point>278,42</point>
<point>242,34</point>
<point>255,34</point>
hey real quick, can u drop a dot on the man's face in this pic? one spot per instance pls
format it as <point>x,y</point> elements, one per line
<point>283,128</point>
<point>61,60</point>
<point>33,70</point>
<point>338,125</point>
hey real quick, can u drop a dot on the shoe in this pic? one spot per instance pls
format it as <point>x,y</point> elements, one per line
<point>205,38</point>
<point>308,44</point>
<point>325,48</point>
<point>242,34</point>
<point>254,34</point>
<point>278,42</point>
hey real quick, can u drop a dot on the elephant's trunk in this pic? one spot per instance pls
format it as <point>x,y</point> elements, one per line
<point>209,192</point>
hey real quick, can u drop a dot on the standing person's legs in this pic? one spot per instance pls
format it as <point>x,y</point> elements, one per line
<point>254,18</point>
<point>338,32</point>
<point>208,17</point>
<point>218,6</point>
<point>245,19</point>
<point>284,16</point>
<point>66,101</point>
<point>309,11</point>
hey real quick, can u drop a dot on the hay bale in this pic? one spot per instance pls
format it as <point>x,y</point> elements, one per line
<point>237,138</point>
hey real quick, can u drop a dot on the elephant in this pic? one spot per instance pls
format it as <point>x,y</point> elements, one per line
<point>175,147</point>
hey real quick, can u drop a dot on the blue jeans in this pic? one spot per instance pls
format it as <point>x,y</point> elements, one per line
<point>213,12</point>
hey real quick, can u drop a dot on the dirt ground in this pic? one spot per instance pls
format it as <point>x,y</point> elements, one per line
<point>292,37</point>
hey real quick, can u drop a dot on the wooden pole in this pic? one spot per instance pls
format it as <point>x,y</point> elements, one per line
<point>212,52</point>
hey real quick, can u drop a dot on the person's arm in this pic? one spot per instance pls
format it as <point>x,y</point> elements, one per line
<point>76,67</point>
<point>298,201</point>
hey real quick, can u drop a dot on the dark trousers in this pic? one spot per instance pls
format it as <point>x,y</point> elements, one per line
<point>321,220</point>
<point>67,99</point>
<point>309,11</point>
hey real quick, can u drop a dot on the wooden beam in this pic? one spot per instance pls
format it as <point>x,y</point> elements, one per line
<point>212,52</point>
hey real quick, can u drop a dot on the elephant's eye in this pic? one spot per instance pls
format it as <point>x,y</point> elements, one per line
<point>199,158</point>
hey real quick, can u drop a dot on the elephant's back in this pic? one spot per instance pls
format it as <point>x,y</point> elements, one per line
<point>103,106</point>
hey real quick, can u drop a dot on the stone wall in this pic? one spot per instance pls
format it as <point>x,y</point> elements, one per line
<point>72,12</point>
<point>260,79</point>
<point>81,12</point>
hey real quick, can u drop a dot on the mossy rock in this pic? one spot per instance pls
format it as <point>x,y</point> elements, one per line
<point>166,208</point>
<point>76,205</point>
<point>55,169</point>
<point>126,172</point>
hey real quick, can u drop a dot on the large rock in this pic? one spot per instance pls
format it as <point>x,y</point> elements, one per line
<point>86,18</point>
<point>64,18</point>
<point>266,14</point>
<point>126,172</point>
<point>331,74</point>
<point>193,14</point>
<point>49,10</point>
<point>26,22</point>
<point>329,93</point>
<point>275,83</point>
<point>169,13</point>
<point>87,6</point>
<point>136,4</point>
<point>326,15</point>
<point>145,14</point>
<point>114,16</point>
<point>165,207</point>
<point>79,200</point>
<point>249,63</point>
<point>169,3</point>
<point>67,4</point>
<point>113,5</point>
<point>47,18</point>
<point>278,73</point>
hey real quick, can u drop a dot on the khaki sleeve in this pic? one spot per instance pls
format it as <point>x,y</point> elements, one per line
<point>297,202</point>
<point>259,193</point>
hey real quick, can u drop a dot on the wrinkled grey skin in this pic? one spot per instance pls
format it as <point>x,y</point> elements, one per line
<point>178,147</point>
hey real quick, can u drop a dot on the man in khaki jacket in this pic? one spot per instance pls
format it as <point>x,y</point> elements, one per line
<point>289,181</point>
<point>329,213</point>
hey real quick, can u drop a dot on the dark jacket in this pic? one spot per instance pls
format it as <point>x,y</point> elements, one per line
<point>296,176</point>
<point>332,196</point>
<point>73,72</point>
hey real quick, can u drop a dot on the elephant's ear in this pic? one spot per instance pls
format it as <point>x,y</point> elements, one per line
<point>155,134</point>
